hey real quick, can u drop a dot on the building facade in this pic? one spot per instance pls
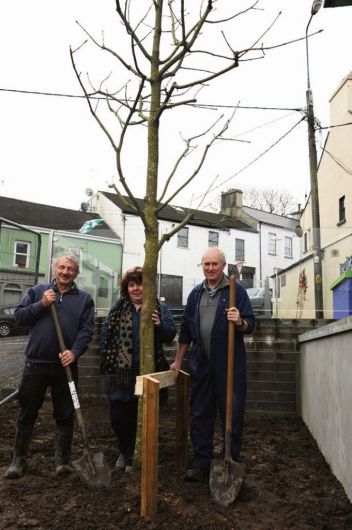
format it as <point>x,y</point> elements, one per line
<point>32,234</point>
<point>242,233</point>
<point>335,204</point>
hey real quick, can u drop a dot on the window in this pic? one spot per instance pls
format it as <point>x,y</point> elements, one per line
<point>305,242</point>
<point>272,244</point>
<point>239,250</point>
<point>213,239</point>
<point>21,254</point>
<point>283,280</point>
<point>182,238</point>
<point>103,289</point>
<point>288,247</point>
<point>342,210</point>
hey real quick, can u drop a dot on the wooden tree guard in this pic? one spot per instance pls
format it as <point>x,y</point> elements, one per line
<point>149,386</point>
<point>182,413</point>
<point>150,433</point>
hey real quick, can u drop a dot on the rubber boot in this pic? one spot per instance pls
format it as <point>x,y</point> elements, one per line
<point>63,443</point>
<point>19,464</point>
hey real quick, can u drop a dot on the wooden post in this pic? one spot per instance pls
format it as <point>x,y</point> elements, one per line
<point>148,386</point>
<point>149,477</point>
<point>182,393</point>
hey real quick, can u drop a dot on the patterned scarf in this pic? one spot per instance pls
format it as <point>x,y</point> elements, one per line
<point>116,354</point>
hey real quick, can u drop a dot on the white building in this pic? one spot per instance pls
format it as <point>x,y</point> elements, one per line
<point>244,234</point>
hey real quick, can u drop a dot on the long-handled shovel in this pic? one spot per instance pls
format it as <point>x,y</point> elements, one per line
<point>226,476</point>
<point>93,469</point>
<point>8,398</point>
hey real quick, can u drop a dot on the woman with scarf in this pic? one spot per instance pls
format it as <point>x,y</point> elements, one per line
<point>120,344</point>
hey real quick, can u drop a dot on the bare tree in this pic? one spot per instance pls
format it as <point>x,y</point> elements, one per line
<point>172,54</point>
<point>269,200</point>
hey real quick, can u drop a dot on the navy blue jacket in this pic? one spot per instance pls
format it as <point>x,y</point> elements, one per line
<point>198,362</point>
<point>75,311</point>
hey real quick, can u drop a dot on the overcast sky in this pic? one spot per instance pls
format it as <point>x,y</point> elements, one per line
<point>52,149</point>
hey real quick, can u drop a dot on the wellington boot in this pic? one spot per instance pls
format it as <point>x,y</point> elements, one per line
<point>63,444</point>
<point>17,469</point>
<point>19,465</point>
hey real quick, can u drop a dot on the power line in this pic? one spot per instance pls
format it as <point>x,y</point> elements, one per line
<point>333,126</point>
<point>338,162</point>
<point>255,159</point>
<point>197,105</point>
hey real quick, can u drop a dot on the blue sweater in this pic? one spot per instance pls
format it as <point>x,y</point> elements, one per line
<point>198,363</point>
<point>75,311</point>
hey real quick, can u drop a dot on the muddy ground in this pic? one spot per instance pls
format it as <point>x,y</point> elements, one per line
<point>288,483</point>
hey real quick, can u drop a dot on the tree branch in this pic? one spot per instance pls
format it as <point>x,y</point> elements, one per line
<point>117,148</point>
<point>202,160</point>
<point>130,31</point>
<point>112,52</point>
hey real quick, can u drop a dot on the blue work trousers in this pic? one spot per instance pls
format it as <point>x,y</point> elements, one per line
<point>208,396</point>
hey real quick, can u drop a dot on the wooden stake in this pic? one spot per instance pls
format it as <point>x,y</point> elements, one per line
<point>149,475</point>
<point>182,393</point>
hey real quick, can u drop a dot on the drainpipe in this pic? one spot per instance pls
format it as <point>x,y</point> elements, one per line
<point>260,255</point>
<point>50,256</point>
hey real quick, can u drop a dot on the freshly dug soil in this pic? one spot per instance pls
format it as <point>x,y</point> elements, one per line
<point>288,483</point>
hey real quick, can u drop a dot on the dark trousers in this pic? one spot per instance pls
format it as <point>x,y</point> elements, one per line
<point>123,417</point>
<point>36,379</point>
<point>208,396</point>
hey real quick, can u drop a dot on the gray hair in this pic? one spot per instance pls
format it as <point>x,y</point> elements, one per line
<point>220,252</point>
<point>68,254</point>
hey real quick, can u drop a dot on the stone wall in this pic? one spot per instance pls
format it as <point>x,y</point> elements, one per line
<point>272,378</point>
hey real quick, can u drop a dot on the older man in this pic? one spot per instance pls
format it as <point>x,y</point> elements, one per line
<point>205,325</point>
<point>44,366</point>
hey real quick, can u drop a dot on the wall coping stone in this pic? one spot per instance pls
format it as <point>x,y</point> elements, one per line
<point>340,326</point>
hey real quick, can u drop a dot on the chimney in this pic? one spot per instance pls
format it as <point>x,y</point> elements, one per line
<point>231,206</point>
<point>231,203</point>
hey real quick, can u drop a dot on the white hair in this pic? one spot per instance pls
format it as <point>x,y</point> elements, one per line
<point>220,252</point>
<point>68,255</point>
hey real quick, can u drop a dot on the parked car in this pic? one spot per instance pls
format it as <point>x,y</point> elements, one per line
<point>260,300</point>
<point>8,324</point>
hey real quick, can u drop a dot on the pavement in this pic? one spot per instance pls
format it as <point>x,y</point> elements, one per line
<point>11,360</point>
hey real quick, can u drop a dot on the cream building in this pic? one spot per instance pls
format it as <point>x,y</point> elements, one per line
<point>296,283</point>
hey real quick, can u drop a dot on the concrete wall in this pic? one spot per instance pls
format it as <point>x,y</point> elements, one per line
<point>325,396</point>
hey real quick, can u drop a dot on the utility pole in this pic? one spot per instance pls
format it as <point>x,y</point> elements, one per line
<point>314,194</point>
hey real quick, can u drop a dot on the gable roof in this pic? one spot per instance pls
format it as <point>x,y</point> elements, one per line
<point>177,213</point>
<point>271,218</point>
<point>50,217</point>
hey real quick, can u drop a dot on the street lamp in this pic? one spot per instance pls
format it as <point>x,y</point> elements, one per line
<point>313,167</point>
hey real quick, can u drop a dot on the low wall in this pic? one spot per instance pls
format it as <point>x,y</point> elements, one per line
<point>271,364</point>
<point>325,364</point>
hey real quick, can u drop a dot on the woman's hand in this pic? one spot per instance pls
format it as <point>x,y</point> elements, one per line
<point>156,318</point>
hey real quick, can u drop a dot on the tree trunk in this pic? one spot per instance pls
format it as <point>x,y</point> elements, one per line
<point>150,211</point>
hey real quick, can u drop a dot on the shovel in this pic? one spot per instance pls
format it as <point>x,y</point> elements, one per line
<point>226,476</point>
<point>93,470</point>
<point>8,398</point>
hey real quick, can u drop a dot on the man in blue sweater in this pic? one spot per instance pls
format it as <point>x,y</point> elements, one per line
<point>204,324</point>
<point>44,366</point>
